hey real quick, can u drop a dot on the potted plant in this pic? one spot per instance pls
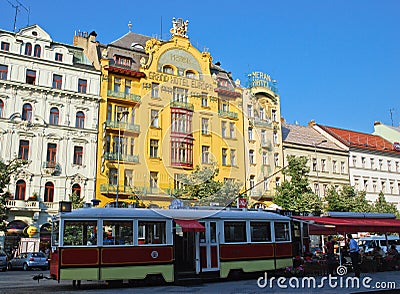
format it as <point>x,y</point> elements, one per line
<point>34,197</point>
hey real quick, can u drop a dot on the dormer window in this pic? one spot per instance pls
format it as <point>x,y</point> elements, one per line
<point>168,69</point>
<point>223,83</point>
<point>5,46</point>
<point>121,60</point>
<point>28,49</point>
<point>59,57</point>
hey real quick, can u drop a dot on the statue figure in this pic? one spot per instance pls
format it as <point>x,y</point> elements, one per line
<point>179,27</point>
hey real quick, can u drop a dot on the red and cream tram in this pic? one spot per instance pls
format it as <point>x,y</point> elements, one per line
<point>113,244</point>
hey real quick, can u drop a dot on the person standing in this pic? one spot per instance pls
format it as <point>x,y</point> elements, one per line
<point>330,255</point>
<point>354,254</point>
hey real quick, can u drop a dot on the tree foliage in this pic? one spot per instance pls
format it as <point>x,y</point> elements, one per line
<point>295,192</point>
<point>76,200</point>
<point>7,169</point>
<point>201,187</point>
<point>347,199</point>
<point>382,206</point>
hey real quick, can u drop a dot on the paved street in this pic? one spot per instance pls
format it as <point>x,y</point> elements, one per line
<point>21,282</point>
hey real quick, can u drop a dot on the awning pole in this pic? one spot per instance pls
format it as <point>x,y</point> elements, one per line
<point>387,243</point>
<point>340,254</point>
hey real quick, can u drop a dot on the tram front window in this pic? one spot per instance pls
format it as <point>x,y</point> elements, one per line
<point>80,233</point>
<point>151,232</point>
<point>117,232</point>
<point>282,231</point>
<point>235,232</point>
<point>260,231</point>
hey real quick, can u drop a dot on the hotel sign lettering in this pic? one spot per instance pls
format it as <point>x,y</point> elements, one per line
<point>260,79</point>
<point>179,81</point>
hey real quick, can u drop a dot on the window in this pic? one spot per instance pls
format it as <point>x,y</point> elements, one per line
<point>117,84</point>
<point>59,57</point>
<point>314,164</point>
<point>3,72</point>
<point>204,126</point>
<point>154,90</point>
<point>57,81</point>
<point>154,118</point>
<point>154,148</point>
<point>273,115</point>
<point>396,163</point>
<point>277,181</point>
<point>224,156</point>
<point>181,122</point>
<point>334,166</point>
<point>1,108</point>
<point>23,152</point>
<point>121,60</point>
<point>151,232</point>
<point>168,69</point>
<point>80,120</point>
<point>30,76</point>
<point>263,138</point>
<point>181,152</point>
<point>233,157</point>
<point>265,158</point>
<point>235,232</point>
<point>342,167</point>
<point>132,146</point>
<point>323,165</point>
<point>232,130</point>
<point>179,94</point>
<point>354,160</point>
<point>28,49</point>
<point>82,86</point>
<point>223,129</point>
<point>276,159</point>
<point>78,155</point>
<point>389,165</point>
<point>250,134</point>
<point>249,110</point>
<point>252,182</point>
<point>117,232</point>
<point>80,233</point>
<point>177,182</point>
<point>38,50</point>
<point>20,190</point>
<point>281,231</point>
<point>260,231</point>
<point>51,154</point>
<point>76,189</point>
<point>363,161</point>
<point>265,184</point>
<point>204,100</point>
<point>316,189</point>
<point>251,157</point>
<point>190,74</point>
<point>205,153</point>
<point>153,180</point>
<point>262,113</point>
<point>380,164</point>
<point>128,86</point>
<point>5,46</point>
<point>27,112</point>
<point>49,192</point>
<point>276,138</point>
<point>54,116</point>
<point>113,176</point>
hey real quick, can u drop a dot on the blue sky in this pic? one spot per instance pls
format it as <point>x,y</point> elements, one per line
<point>337,62</point>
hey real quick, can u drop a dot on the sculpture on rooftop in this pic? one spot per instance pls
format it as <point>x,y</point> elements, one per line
<point>179,27</point>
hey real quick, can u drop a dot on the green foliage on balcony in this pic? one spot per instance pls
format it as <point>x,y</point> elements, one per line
<point>123,125</point>
<point>262,123</point>
<point>122,157</point>
<point>228,114</point>
<point>122,95</point>
<point>183,105</point>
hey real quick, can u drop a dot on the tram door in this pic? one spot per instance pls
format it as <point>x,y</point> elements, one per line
<point>209,247</point>
<point>185,250</point>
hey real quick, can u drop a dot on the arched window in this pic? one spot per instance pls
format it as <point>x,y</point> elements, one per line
<point>168,69</point>
<point>28,49</point>
<point>80,120</point>
<point>190,74</point>
<point>27,112</point>
<point>76,188</point>
<point>1,108</point>
<point>54,115</point>
<point>20,190</point>
<point>38,50</point>
<point>49,192</point>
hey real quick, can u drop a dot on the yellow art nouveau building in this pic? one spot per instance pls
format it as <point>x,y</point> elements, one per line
<point>165,109</point>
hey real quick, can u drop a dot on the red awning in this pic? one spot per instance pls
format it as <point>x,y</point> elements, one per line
<point>190,225</point>
<point>333,225</point>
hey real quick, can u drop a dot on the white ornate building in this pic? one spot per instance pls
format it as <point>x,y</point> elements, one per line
<point>49,98</point>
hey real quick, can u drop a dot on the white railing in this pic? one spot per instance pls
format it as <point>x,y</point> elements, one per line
<point>32,204</point>
<point>19,204</point>
<point>50,205</point>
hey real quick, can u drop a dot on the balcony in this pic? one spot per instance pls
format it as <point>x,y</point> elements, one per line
<point>182,105</point>
<point>262,123</point>
<point>228,114</point>
<point>32,205</point>
<point>122,157</point>
<point>124,96</point>
<point>109,188</point>
<point>123,125</point>
<point>51,167</point>
<point>49,206</point>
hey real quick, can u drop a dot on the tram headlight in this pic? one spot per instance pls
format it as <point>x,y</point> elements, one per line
<point>65,206</point>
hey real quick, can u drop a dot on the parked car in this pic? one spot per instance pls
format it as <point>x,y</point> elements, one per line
<point>370,242</point>
<point>3,260</point>
<point>29,260</point>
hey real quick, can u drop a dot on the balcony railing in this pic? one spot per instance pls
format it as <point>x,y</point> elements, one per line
<point>122,95</point>
<point>122,157</point>
<point>123,125</point>
<point>183,105</point>
<point>262,123</point>
<point>228,114</point>
<point>113,188</point>
<point>31,205</point>
<point>51,167</point>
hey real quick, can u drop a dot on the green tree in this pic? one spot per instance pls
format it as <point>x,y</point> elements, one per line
<point>347,199</point>
<point>381,205</point>
<point>200,186</point>
<point>295,192</point>
<point>6,170</point>
<point>76,200</point>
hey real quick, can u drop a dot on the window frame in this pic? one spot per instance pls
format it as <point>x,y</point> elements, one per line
<point>78,155</point>
<point>23,150</point>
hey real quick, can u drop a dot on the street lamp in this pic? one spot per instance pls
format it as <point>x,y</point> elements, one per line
<point>316,160</point>
<point>121,115</point>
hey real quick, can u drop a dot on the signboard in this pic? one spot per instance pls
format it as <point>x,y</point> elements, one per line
<point>260,79</point>
<point>241,203</point>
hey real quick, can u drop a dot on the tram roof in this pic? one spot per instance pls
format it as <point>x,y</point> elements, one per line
<point>184,214</point>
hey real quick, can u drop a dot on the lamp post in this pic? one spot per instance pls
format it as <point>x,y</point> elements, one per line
<point>119,118</point>
<point>316,160</point>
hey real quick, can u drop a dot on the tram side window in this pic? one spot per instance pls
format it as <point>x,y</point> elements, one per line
<point>117,232</point>
<point>235,232</point>
<point>55,233</point>
<point>80,233</point>
<point>151,232</point>
<point>282,232</point>
<point>260,231</point>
